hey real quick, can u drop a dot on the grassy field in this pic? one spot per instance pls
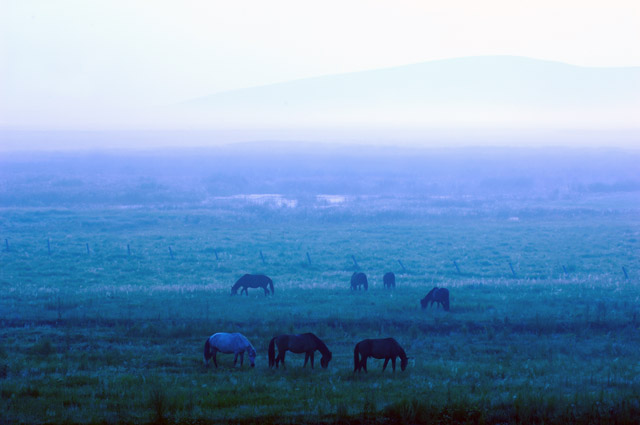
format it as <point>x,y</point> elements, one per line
<point>107,336</point>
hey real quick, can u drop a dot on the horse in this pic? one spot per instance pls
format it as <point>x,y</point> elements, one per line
<point>386,348</point>
<point>389,280</point>
<point>228,343</point>
<point>304,343</point>
<point>437,295</point>
<point>253,281</point>
<point>359,279</point>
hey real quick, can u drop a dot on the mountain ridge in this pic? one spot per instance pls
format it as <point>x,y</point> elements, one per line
<point>317,77</point>
<point>483,90</point>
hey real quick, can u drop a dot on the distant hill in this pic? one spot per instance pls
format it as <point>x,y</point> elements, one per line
<point>493,91</point>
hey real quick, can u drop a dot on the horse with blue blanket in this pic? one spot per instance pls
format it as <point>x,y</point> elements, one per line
<point>228,343</point>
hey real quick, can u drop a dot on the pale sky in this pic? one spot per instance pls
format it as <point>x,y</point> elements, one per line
<point>84,58</point>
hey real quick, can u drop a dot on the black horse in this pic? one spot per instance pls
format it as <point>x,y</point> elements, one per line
<point>359,279</point>
<point>389,280</point>
<point>387,349</point>
<point>305,343</point>
<point>252,281</point>
<point>437,295</point>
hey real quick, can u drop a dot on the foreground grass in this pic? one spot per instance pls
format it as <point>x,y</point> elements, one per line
<point>108,337</point>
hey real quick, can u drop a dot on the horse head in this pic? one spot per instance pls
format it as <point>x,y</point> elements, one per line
<point>324,361</point>
<point>423,302</point>
<point>403,363</point>
<point>252,356</point>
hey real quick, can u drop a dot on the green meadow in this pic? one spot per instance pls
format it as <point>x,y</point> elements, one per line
<point>94,332</point>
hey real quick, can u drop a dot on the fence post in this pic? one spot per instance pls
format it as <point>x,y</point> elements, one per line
<point>512,271</point>
<point>624,270</point>
<point>308,258</point>
<point>88,250</point>
<point>216,254</point>
<point>355,262</point>
<point>455,263</point>
<point>170,252</point>
<point>128,250</point>
<point>262,257</point>
<point>402,265</point>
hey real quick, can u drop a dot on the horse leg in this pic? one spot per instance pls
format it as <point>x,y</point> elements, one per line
<point>306,359</point>
<point>384,366</point>
<point>364,363</point>
<point>214,358</point>
<point>312,353</point>
<point>393,364</point>
<point>241,358</point>
<point>266,291</point>
<point>235,360</point>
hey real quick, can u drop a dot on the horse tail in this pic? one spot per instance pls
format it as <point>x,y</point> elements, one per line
<point>356,357</point>
<point>207,351</point>
<point>271,286</point>
<point>272,352</point>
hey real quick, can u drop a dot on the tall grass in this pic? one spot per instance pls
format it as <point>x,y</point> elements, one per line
<point>112,337</point>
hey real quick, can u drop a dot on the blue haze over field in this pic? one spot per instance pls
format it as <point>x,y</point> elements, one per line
<point>469,128</point>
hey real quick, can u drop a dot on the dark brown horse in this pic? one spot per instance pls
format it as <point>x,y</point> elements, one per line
<point>252,281</point>
<point>387,349</point>
<point>437,295</point>
<point>305,343</point>
<point>359,279</point>
<point>389,280</point>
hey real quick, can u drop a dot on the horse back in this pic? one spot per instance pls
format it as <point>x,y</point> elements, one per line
<point>302,343</point>
<point>228,342</point>
<point>386,347</point>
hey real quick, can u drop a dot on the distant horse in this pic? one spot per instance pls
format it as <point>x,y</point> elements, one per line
<point>359,279</point>
<point>437,295</point>
<point>234,343</point>
<point>387,349</point>
<point>389,280</point>
<point>252,281</point>
<point>305,343</point>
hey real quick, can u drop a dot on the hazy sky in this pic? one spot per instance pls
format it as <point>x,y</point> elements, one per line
<point>90,58</point>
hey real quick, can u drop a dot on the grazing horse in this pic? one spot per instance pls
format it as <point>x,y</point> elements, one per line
<point>389,280</point>
<point>359,279</point>
<point>253,281</point>
<point>234,343</point>
<point>305,343</point>
<point>437,295</point>
<point>386,348</point>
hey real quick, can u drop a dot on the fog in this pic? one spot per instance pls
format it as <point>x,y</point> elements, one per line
<point>310,177</point>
